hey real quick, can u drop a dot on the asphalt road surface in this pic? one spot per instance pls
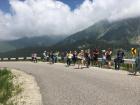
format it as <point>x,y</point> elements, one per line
<point>62,85</point>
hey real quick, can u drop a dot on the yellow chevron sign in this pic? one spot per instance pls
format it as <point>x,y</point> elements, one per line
<point>133,51</point>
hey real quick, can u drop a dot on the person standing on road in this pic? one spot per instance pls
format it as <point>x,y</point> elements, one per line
<point>56,56</point>
<point>108,57</point>
<point>119,59</point>
<point>74,57</point>
<point>137,62</point>
<point>44,56</point>
<point>95,55</point>
<point>69,58</point>
<point>92,57</point>
<point>80,58</point>
<point>87,58</point>
<point>103,63</point>
<point>52,57</point>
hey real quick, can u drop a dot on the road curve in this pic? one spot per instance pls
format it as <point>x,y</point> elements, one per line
<point>62,85</point>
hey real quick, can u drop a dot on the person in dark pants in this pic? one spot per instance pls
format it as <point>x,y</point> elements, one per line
<point>92,57</point>
<point>95,57</point>
<point>87,59</point>
<point>69,58</point>
<point>119,59</point>
<point>52,58</point>
<point>137,62</point>
<point>108,57</point>
<point>74,58</point>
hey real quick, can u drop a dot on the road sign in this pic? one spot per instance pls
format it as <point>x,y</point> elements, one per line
<point>133,51</point>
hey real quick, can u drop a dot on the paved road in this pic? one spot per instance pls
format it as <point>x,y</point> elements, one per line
<point>62,85</point>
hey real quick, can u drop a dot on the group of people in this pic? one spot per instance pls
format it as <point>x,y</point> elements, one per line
<point>85,58</point>
<point>88,58</point>
<point>51,57</point>
<point>82,58</point>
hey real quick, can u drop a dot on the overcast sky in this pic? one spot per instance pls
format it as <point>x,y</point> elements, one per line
<point>20,18</point>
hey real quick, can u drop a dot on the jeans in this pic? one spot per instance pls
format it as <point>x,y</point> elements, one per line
<point>117,64</point>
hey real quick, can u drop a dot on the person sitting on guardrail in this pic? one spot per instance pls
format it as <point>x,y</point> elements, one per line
<point>119,59</point>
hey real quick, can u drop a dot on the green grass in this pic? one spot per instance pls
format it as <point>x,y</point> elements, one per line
<point>7,88</point>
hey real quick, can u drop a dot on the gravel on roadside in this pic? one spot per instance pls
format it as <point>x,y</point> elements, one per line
<point>30,94</point>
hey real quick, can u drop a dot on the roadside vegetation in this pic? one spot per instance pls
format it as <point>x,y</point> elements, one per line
<point>7,87</point>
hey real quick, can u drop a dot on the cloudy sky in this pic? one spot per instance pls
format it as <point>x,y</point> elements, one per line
<point>21,18</point>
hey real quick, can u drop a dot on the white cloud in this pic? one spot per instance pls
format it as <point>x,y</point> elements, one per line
<point>51,17</point>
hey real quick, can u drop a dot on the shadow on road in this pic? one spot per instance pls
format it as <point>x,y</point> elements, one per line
<point>132,74</point>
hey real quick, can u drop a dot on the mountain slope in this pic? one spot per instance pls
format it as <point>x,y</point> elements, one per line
<point>124,33</point>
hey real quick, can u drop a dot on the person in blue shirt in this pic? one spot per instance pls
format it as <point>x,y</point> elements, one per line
<point>137,62</point>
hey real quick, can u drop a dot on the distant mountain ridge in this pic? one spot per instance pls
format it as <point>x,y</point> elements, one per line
<point>29,42</point>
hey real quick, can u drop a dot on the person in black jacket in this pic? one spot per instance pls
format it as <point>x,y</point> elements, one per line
<point>119,59</point>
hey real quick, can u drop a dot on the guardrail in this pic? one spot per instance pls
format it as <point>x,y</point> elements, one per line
<point>126,61</point>
<point>129,63</point>
<point>18,59</point>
